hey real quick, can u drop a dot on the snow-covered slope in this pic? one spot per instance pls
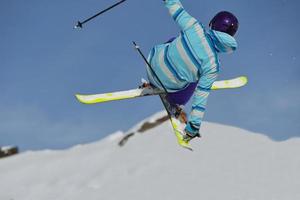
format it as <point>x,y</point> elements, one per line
<point>228,163</point>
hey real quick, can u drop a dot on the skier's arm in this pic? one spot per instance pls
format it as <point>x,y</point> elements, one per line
<point>176,10</point>
<point>200,100</point>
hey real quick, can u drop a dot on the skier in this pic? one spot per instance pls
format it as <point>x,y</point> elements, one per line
<point>188,64</point>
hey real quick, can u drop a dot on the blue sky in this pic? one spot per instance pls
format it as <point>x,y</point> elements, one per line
<point>44,62</point>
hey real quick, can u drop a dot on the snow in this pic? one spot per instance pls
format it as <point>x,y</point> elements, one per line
<point>6,148</point>
<point>228,163</point>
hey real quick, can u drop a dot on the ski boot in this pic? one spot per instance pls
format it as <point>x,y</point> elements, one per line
<point>187,137</point>
<point>144,84</point>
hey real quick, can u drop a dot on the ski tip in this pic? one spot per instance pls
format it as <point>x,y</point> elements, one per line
<point>189,148</point>
<point>79,97</point>
<point>244,79</point>
<point>185,145</point>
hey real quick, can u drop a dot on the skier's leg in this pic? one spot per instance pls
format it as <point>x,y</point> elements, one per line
<point>182,97</point>
<point>179,99</point>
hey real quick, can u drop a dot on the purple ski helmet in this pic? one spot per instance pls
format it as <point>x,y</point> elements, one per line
<point>225,22</point>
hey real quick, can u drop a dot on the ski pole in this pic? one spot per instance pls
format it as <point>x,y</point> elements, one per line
<point>149,65</point>
<point>79,24</point>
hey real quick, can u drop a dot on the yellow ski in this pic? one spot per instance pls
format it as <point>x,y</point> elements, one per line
<point>177,125</point>
<point>146,91</point>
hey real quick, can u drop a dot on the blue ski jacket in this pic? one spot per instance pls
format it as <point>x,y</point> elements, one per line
<point>191,57</point>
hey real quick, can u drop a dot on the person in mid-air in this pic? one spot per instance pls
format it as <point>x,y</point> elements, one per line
<point>188,64</point>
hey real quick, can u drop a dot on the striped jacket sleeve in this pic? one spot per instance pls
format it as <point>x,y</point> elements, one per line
<point>200,100</point>
<point>181,17</point>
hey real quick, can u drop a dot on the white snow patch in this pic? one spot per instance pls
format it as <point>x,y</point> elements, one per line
<point>228,163</point>
<point>115,136</point>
